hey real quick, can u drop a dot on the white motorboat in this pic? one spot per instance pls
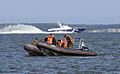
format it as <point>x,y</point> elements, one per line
<point>65,29</point>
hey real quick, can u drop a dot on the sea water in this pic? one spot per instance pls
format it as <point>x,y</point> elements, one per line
<point>104,39</point>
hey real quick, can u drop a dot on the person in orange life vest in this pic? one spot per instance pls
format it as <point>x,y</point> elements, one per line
<point>69,40</point>
<point>64,43</point>
<point>61,43</point>
<point>50,39</point>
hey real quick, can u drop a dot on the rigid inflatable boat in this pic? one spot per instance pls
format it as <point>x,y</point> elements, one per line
<point>43,49</point>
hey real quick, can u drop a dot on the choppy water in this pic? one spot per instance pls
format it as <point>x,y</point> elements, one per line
<point>15,60</point>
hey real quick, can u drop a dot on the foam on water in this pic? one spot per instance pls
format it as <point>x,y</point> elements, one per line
<point>110,30</point>
<point>19,29</point>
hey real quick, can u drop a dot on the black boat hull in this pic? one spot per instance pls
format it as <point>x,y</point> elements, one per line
<point>33,50</point>
<point>44,49</point>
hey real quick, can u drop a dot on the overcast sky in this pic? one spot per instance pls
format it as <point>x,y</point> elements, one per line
<point>67,11</point>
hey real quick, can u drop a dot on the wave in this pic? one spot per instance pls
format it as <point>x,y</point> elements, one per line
<point>19,29</point>
<point>110,30</point>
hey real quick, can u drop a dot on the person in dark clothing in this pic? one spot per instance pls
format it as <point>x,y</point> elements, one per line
<point>53,41</point>
<point>45,39</point>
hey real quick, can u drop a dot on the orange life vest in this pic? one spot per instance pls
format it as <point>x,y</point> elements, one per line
<point>59,43</point>
<point>65,44</point>
<point>50,39</point>
<point>62,44</point>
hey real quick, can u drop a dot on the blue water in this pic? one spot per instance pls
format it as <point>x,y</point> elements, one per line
<point>15,60</point>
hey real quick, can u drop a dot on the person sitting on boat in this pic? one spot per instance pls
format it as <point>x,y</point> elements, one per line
<point>35,41</point>
<point>82,45</point>
<point>61,43</point>
<point>50,39</point>
<point>70,41</point>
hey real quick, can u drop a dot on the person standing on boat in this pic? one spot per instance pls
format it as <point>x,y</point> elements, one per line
<point>50,39</point>
<point>70,41</point>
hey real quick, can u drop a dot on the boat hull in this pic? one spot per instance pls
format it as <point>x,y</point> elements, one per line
<point>33,50</point>
<point>68,51</point>
<point>47,50</point>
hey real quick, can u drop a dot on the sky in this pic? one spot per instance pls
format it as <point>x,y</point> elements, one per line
<point>66,11</point>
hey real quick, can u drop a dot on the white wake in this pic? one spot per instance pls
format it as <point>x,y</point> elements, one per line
<point>19,29</point>
<point>110,30</point>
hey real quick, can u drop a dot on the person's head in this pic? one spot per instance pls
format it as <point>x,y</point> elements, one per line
<point>36,38</point>
<point>59,40</point>
<point>65,36</point>
<point>82,40</point>
<point>51,34</point>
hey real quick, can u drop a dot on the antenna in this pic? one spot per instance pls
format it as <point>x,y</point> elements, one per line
<point>59,24</point>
